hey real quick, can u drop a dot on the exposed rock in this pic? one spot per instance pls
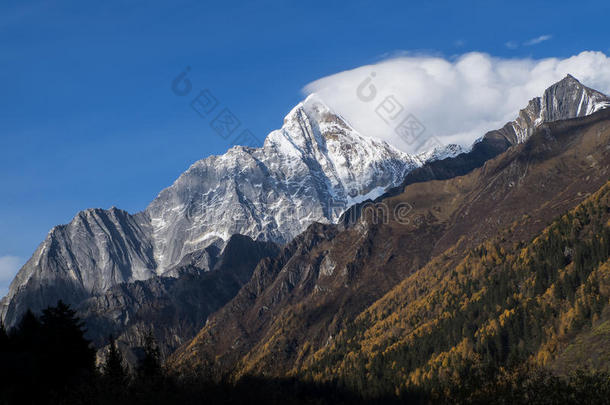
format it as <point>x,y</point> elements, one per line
<point>310,170</point>
<point>173,308</point>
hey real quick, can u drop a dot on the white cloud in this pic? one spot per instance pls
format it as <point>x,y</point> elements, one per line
<point>9,265</point>
<point>457,100</point>
<point>538,40</point>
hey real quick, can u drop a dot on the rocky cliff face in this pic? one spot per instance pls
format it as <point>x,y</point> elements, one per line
<point>98,249</point>
<point>565,99</point>
<point>311,169</point>
<point>329,274</point>
<point>296,304</point>
<point>173,308</point>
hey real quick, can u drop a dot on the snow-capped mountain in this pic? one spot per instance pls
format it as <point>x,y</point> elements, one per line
<point>565,99</point>
<point>311,169</point>
<point>441,152</point>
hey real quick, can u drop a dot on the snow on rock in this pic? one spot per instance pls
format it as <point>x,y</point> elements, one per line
<point>311,169</point>
<point>565,99</point>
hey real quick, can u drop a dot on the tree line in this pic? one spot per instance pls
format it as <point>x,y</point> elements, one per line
<point>47,359</point>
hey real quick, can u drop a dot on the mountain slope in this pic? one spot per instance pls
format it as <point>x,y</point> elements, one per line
<point>98,249</point>
<point>297,303</point>
<point>502,304</point>
<point>310,170</point>
<point>174,308</point>
<point>563,100</point>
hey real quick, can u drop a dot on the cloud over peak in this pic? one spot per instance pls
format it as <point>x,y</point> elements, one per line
<point>456,100</point>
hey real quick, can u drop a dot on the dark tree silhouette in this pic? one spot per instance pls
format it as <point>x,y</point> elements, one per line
<point>150,364</point>
<point>67,351</point>
<point>114,375</point>
<point>46,360</point>
<point>27,333</point>
<point>3,338</point>
<point>114,371</point>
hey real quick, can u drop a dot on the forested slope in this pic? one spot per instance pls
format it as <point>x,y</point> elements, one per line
<point>502,305</point>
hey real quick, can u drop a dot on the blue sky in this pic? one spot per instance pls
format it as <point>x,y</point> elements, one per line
<point>88,118</point>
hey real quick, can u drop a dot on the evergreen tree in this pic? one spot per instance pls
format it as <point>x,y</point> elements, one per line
<point>67,350</point>
<point>27,334</point>
<point>150,364</point>
<point>50,354</point>
<point>114,370</point>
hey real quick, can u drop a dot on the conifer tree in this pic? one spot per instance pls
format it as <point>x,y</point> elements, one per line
<point>150,365</point>
<point>27,334</point>
<point>114,370</point>
<point>67,349</point>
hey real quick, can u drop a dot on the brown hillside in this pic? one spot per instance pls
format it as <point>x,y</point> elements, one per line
<point>299,302</point>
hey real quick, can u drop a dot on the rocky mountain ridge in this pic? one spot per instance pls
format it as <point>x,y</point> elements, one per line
<point>564,100</point>
<point>112,264</point>
<point>310,170</point>
<point>297,303</point>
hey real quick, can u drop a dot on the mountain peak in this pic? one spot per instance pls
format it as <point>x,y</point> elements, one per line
<point>570,82</point>
<point>563,100</point>
<point>569,77</point>
<point>311,169</point>
<point>569,98</point>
